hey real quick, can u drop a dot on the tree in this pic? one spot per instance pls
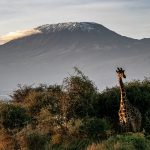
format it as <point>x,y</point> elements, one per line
<point>81,93</point>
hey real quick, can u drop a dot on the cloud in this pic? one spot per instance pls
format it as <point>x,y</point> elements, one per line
<point>119,15</point>
<point>18,34</point>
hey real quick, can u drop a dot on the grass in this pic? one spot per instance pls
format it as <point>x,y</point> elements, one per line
<point>130,141</point>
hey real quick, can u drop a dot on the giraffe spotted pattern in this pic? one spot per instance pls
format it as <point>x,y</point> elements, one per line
<point>129,116</point>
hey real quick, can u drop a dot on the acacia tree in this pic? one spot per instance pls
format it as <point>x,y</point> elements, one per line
<point>80,93</point>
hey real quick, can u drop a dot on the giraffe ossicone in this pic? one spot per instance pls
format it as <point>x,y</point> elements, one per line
<point>129,116</point>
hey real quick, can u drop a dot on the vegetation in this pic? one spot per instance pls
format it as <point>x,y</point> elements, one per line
<point>72,116</point>
<point>123,142</point>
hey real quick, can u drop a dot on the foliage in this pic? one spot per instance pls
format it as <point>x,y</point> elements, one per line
<point>79,144</point>
<point>138,93</point>
<point>20,94</point>
<point>6,141</point>
<point>123,142</point>
<point>36,141</point>
<point>35,101</point>
<point>82,93</point>
<point>147,122</point>
<point>107,105</point>
<point>13,116</point>
<point>73,115</point>
<point>94,128</point>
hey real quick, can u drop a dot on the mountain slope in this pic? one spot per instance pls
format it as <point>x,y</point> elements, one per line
<point>49,55</point>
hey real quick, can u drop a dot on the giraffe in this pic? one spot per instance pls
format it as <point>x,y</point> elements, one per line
<point>129,116</point>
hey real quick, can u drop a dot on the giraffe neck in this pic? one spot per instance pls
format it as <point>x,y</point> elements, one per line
<point>122,89</point>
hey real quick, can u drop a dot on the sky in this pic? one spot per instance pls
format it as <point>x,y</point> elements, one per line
<point>126,17</point>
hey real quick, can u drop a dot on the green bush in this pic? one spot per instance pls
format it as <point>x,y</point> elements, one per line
<point>147,123</point>
<point>94,128</point>
<point>36,141</point>
<point>107,105</point>
<point>20,94</point>
<point>81,92</point>
<point>35,101</point>
<point>13,116</point>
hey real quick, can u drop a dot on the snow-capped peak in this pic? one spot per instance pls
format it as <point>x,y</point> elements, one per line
<point>70,26</point>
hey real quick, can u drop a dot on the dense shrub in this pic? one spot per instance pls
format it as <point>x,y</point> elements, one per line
<point>147,122</point>
<point>36,141</point>
<point>20,94</point>
<point>35,101</point>
<point>13,116</point>
<point>6,141</point>
<point>94,128</point>
<point>81,92</point>
<point>107,105</point>
<point>74,128</point>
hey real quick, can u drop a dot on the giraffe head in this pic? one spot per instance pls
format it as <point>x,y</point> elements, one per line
<point>121,73</point>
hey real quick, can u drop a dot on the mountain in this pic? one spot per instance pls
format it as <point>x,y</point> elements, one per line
<point>49,55</point>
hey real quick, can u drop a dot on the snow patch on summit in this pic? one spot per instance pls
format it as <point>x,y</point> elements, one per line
<point>70,26</point>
